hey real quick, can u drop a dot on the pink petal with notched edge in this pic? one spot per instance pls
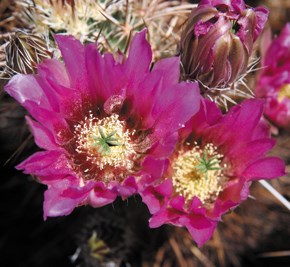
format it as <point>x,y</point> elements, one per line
<point>249,117</point>
<point>198,224</point>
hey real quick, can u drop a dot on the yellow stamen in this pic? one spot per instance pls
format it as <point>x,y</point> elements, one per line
<point>191,179</point>
<point>117,153</point>
<point>284,92</point>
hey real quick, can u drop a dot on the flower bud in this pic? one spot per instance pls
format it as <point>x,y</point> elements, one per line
<point>217,41</point>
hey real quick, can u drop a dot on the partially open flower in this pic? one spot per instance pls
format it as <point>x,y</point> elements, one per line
<point>211,168</point>
<point>217,43</point>
<point>97,120</point>
<point>274,80</point>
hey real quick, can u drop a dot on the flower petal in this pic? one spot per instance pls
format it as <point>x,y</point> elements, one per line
<point>54,122</point>
<point>156,197</point>
<point>182,100</point>
<point>55,205</point>
<point>73,53</point>
<point>101,196</point>
<point>172,64</point>
<point>200,228</point>
<point>43,138</point>
<point>139,59</point>
<point>101,88</point>
<point>164,216</point>
<point>48,165</point>
<point>55,70</point>
<point>267,168</point>
<point>245,154</point>
<point>156,168</point>
<point>25,89</point>
<point>127,189</point>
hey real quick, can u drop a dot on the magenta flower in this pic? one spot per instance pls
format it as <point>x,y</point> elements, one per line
<point>274,80</point>
<point>98,119</point>
<point>217,41</point>
<point>212,168</point>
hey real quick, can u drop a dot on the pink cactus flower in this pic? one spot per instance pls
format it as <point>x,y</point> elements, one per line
<point>98,119</point>
<point>274,80</point>
<point>211,169</point>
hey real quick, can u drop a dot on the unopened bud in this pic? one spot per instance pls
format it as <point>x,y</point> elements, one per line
<point>217,41</point>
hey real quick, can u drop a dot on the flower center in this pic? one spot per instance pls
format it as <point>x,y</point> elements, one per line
<point>106,144</point>
<point>284,92</point>
<point>199,172</point>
